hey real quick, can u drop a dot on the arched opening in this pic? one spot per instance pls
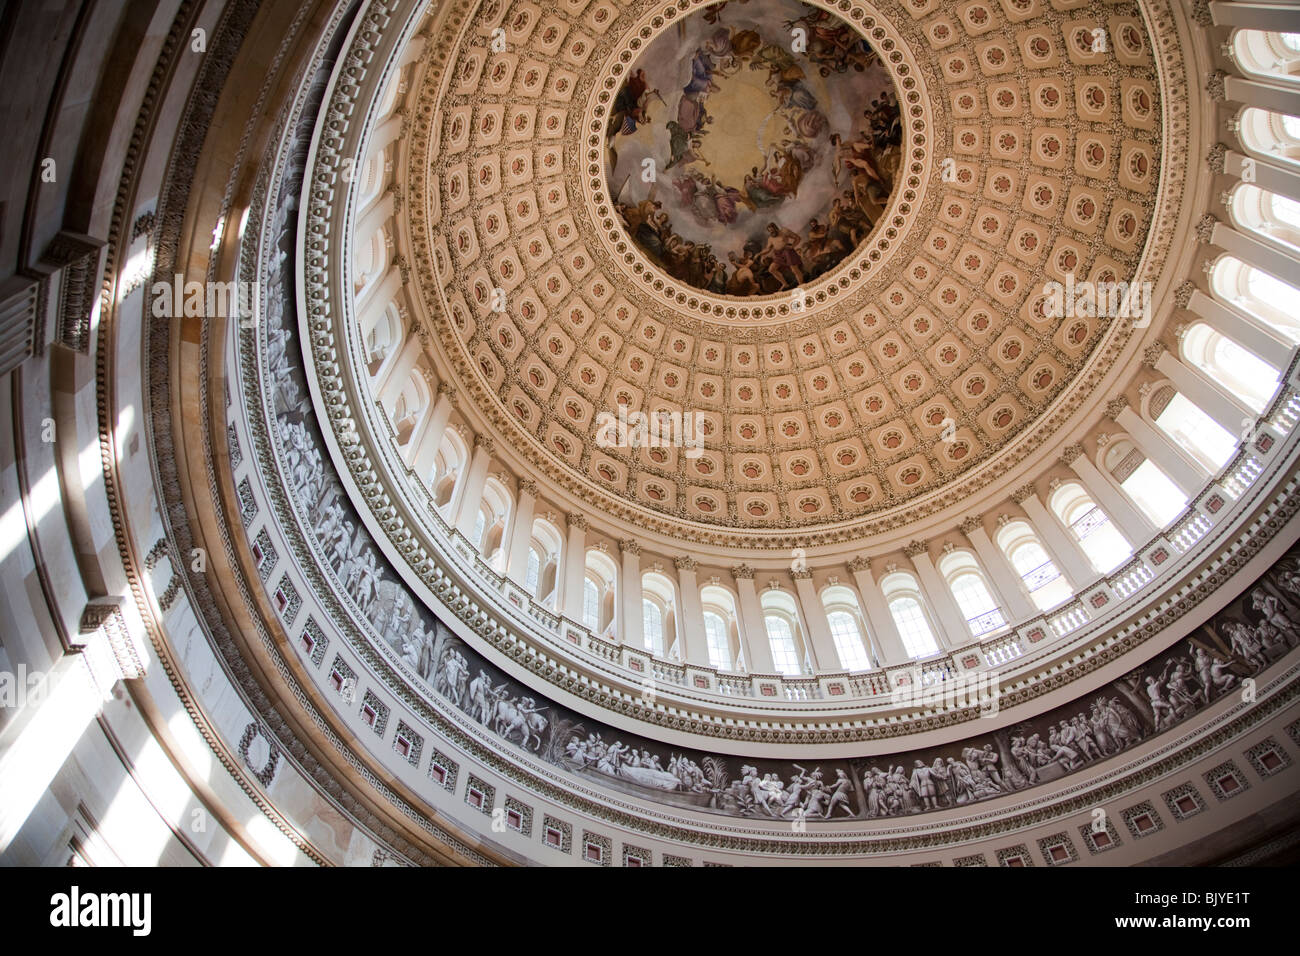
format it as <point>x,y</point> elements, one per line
<point>1043,580</point>
<point>382,339</point>
<point>1271,136</point>
<point>1242,373</point>
<point>1191,429</point>
<point>544,548</point>
<point>970,589</point>
<point>1146,485</point>
<point>598,584</point>
<point>848,628</point>
<point>1104,546</point>
<point>721,628</point>
<point>781,620</point>
<point>907,608</point>
<point>1259,293</point>
<point>448,465</point>
<point>1267,53</point>
<point>659,614</point>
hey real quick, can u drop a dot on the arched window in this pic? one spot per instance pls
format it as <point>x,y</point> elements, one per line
<point>715,632</point>
<point>780,635</point>
<point>370,262</point>
<point>1267,53</point>
<point>1143,481</point>
<point>1251,379</point>
<point>721,630</point>
<point>971,592</point>
<point>545,545</point>
<point>1251,289</point>
<point>846,626</point>
<point>1105,547</point>
<point>1271,136</point>
<point>781,620</point>
<point>599,575</point>
<point>904,599</point>
<point>660,627</point>
<point>381,338</point>
<point>533,570</point>
<point>1043,580</point>
<point>1192,430</point>
<point>490,524</point>
<point>590,604</point>
<point>652,626</point>
<point>448,465</point>
<point>405,413</point>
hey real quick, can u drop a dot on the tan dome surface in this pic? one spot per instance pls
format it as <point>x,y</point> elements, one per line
<point>922,355</point>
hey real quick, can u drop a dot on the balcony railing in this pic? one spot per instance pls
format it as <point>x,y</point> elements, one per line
<point>605,654</point>
<point>1044,574</point>
<point>982,624</point>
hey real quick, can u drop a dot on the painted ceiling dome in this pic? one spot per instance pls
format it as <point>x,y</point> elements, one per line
<point>773,172</point>
<point>879,338</point>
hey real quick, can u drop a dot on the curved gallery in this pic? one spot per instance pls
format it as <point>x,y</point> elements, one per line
<point>655,434</point>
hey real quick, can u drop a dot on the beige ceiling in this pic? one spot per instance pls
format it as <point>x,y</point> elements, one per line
<point>839,407</point>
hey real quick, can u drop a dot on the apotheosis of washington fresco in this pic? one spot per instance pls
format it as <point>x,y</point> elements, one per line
<point>753,146</point>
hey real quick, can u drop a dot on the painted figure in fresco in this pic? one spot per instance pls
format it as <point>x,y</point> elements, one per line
<point>1162,710</point>
<point>518,715</point>
<point>1181,695</point>
<point>1213,672</point>
<point>1288,575</point>
<point>630,105</point>
<point>451,676</point>
<point>1244,643</point>
<point>839,794</point>
<point>923,786</point>
<point>1274,615</point>
<point>782,255</point>
<point>1083,735</point>
<point>482,701</point>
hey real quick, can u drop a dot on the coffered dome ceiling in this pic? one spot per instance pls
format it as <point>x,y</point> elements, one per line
<point>890,351</point>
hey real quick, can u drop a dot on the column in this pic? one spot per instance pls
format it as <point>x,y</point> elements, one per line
<point>1016,605</point>
<point>953,631</point>
<point>386,132</point>
<point>632,631</point>
<point>1190,478</point>
<point>1261,93</point>
<point>758,649</point>
<point>521,532</point>
<point>575,568</point>
<point>376,296</point>
<point>375,215</point>
<point>1060,544</point>
<point>423,447</point>
<point>1222,406</point>
<point>1261,341</point>
<point>818,630</point>
<point>1284,182</point>
<point>1123,514</point>
<point>1256,16</point>
<point>471,490</point>
<point>394,379</point>
<point>879,620</point>
<point>691,626</point>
